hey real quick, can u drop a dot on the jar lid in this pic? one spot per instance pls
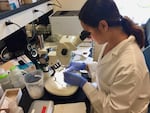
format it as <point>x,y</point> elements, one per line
<point>4,75</point>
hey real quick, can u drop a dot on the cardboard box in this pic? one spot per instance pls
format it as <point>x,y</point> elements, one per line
<point>10,95</point>
<point>8,5</point>
<point>14,94</point>
<point>29,1</point>
<point>4,6</point>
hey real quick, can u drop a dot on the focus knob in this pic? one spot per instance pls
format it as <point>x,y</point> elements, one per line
<point>64,51</point>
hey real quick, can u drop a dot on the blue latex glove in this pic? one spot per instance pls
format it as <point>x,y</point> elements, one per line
<point>74,79</point>
<point>76,66</point>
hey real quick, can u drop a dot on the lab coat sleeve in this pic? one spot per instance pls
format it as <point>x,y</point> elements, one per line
<point>92,72</point>
<point>121,96</point>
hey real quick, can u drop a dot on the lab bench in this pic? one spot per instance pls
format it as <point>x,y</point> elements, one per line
<point>78,96</point>
<point>22,16</point>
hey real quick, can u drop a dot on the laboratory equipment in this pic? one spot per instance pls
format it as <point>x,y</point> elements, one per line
<point>47,70</point>
<point>41,106</point>
<point>56,85</point>
<point>66,45</point>
<point>69,22</point>
<point>34,84</point>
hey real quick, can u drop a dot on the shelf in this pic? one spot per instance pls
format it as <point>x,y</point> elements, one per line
<point>22,16</point>
<point>5,14</point>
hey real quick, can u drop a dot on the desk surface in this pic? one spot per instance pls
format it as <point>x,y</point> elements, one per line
<point>79,96</point>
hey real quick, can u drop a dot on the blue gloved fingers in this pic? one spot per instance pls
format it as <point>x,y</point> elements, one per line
<point>74,79</point>
<point>70,78</point>
<point>79,65</point>
<point>76,66</point>
<point>69,69</point>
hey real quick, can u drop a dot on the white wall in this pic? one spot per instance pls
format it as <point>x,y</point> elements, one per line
<point>69,4</point>
<point>73,24</point>
<point>137,10</point>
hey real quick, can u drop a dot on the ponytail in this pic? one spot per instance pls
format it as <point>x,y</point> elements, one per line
<point>130,28</point>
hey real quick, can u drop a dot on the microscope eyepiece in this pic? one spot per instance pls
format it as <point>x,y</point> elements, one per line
<point>84,34</point>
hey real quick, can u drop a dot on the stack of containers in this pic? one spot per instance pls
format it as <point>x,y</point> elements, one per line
<point>16,77</point>
<point>4,79</point>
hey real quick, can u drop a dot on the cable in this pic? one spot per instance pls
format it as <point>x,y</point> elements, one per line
<point>58,4</point>
<point>54,5</point>
<point>2,53</point>
<point>36,10</point>
<point>34,32</point>
<point>7,23</point>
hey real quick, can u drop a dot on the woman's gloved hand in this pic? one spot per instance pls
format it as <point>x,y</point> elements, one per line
<point>74,79</point>
<point>76,66</point>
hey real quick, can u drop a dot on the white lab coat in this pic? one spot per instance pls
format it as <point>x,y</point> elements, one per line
<point>123,80</point>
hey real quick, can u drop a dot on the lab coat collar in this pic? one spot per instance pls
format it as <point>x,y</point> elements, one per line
<point>116,50</point>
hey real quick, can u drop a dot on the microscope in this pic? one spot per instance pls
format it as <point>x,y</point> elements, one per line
<point>62,52</point>
<point>67,44</point>
<point>55,84</point>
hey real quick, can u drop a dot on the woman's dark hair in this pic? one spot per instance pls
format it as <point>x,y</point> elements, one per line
<point>95,10</point>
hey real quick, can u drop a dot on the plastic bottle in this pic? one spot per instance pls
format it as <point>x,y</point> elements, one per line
<point>16,77</point>
<point>4,79</point>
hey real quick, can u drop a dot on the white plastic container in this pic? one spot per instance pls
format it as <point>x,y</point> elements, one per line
<point>41,106</point>
<point>34,84</point>
<point>16,77</point>
<point>4,79</point>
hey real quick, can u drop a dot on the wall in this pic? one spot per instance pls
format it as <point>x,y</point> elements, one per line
<point>69,4</point>
<point>134,6</point>
<point>73,24</point>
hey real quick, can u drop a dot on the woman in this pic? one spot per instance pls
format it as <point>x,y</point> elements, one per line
<point>123,83</point>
